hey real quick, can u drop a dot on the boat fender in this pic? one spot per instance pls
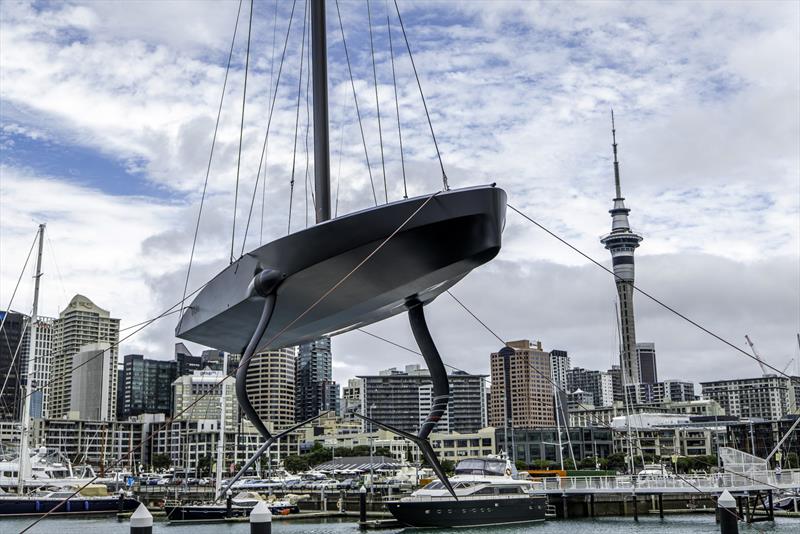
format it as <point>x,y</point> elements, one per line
<point>508,471</point>
<point>86,505</point>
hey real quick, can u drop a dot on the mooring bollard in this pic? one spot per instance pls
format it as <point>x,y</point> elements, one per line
<point>728,519</point>
<point>362,505</point>
<point>228,503</point>
<point>141,521</point>
<point>261,519</point>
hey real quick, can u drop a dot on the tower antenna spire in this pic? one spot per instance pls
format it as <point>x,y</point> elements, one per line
<point>616,162</point>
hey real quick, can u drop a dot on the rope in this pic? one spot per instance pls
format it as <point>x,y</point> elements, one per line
<point>422,95</point>
<point>265,145</point>
<point>651,297</point>
<point>377,100</point>
<point>241,128</point>
<point>297,117</point>
<point>355,99</point>
<point>276,336</point>
<point>271,70</point>
<point>210,156</point>
<point>396,102</point>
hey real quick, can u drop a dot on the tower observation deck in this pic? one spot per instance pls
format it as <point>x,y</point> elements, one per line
<point>622,242</point>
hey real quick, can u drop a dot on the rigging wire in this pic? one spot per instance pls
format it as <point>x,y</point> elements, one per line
<point>341,146</point>
<point>422,96</point>
<point>271,72</point>
<point>308,124</point>
<point>164,425</point>
<point>355,99</point>
<point>241,128</point>
<point>13,364</point>
<point>58,270</point>
<point>651,297</point>
<point>582,406</point>
<point>21,274</point>
<point>211,156</point>
<point>297,117</point>
<point>396,102</point>
<point>377,100</point>
<point>265,145</point>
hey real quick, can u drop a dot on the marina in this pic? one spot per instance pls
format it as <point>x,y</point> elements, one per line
<point>409,247</point>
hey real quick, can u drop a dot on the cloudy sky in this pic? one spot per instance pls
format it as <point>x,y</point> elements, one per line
<point>107,111</point>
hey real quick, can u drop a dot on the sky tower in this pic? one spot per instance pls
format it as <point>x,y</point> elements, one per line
<point>622,242</point>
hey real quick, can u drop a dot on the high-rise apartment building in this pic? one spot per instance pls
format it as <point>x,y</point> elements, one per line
<point>315,390</point>
<point>646,354</point>
<point>559,366</point>
<point>598,383</point>
<point>621,242</point>
<point>271,386</point>
<point>10,368</point>
<point>667,391</point>
<point>616,383</point>
<point>402,399</point>
<point>40,370</point>
<point>81,323</point>
<point>92,375</point>
<point>768,397</point>
<point>522,394</point>
<point>146,385</point>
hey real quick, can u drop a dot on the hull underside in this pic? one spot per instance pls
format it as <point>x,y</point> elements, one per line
<point>469,513</point>
<point>454,233</point>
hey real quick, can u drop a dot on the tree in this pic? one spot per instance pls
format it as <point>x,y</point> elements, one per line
<point>295,463</point>
<point>568,463</point>
<point>449,466</point>
<point>160,461</point>
<point>541,464</point>
<point>616,461</point>
<point>792,460</point>
<point>204,465</point>
<point>521,465</point>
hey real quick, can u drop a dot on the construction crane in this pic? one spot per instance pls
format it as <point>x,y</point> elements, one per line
<point>757,355</point>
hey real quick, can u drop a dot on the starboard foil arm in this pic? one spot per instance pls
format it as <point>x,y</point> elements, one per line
<point>439,398</point>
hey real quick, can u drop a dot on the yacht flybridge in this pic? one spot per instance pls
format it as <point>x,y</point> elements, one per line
<point>487,492</point>
<point>349,271</point>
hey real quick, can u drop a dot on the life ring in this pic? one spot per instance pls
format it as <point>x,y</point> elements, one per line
<point>508,471</point>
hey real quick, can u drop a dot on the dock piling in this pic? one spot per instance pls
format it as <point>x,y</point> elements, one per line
<point>635,508</point>
<point>362,506</point>
<point>228,503</point>
<point>141,521</point>
<point>261,519</point>
<point>661,505</point>
<point>728,519</point>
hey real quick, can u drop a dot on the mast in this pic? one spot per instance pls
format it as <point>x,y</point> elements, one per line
<point>24,460</point>
<point>616,162</point>
<point>319,65</point>
<point>221,438</point>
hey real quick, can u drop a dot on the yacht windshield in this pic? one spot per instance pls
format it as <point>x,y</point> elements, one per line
<point>481,467</point>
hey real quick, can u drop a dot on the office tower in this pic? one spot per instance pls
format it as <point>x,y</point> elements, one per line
<point>146,385</point>
<point>622,241</point>
<point>559,366</point>
<point>197,397</point>
<point>597,383</point>
<point>81,323</point>
<point>402,399</point>
<point>271,386</point>
<point>315,390</point>
<point>616,383</point>
<point>646,354</point>
<point>522,394</point>
<point>94,371</point>
<point>10,367</point>
<point>185,363</point>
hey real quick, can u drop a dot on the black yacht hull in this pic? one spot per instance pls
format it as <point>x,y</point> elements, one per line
<point>469,512</point>
<point>31,506</point>
<point>202,513</point>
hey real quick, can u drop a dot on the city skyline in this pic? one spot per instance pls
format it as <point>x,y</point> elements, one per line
<point>717,248</point>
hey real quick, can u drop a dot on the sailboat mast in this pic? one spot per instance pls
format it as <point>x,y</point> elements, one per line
<point>319,65</point>
<point>221,437</point>
<point>24,460</point>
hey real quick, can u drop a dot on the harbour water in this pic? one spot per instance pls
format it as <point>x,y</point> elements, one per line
<point>675,524</point>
